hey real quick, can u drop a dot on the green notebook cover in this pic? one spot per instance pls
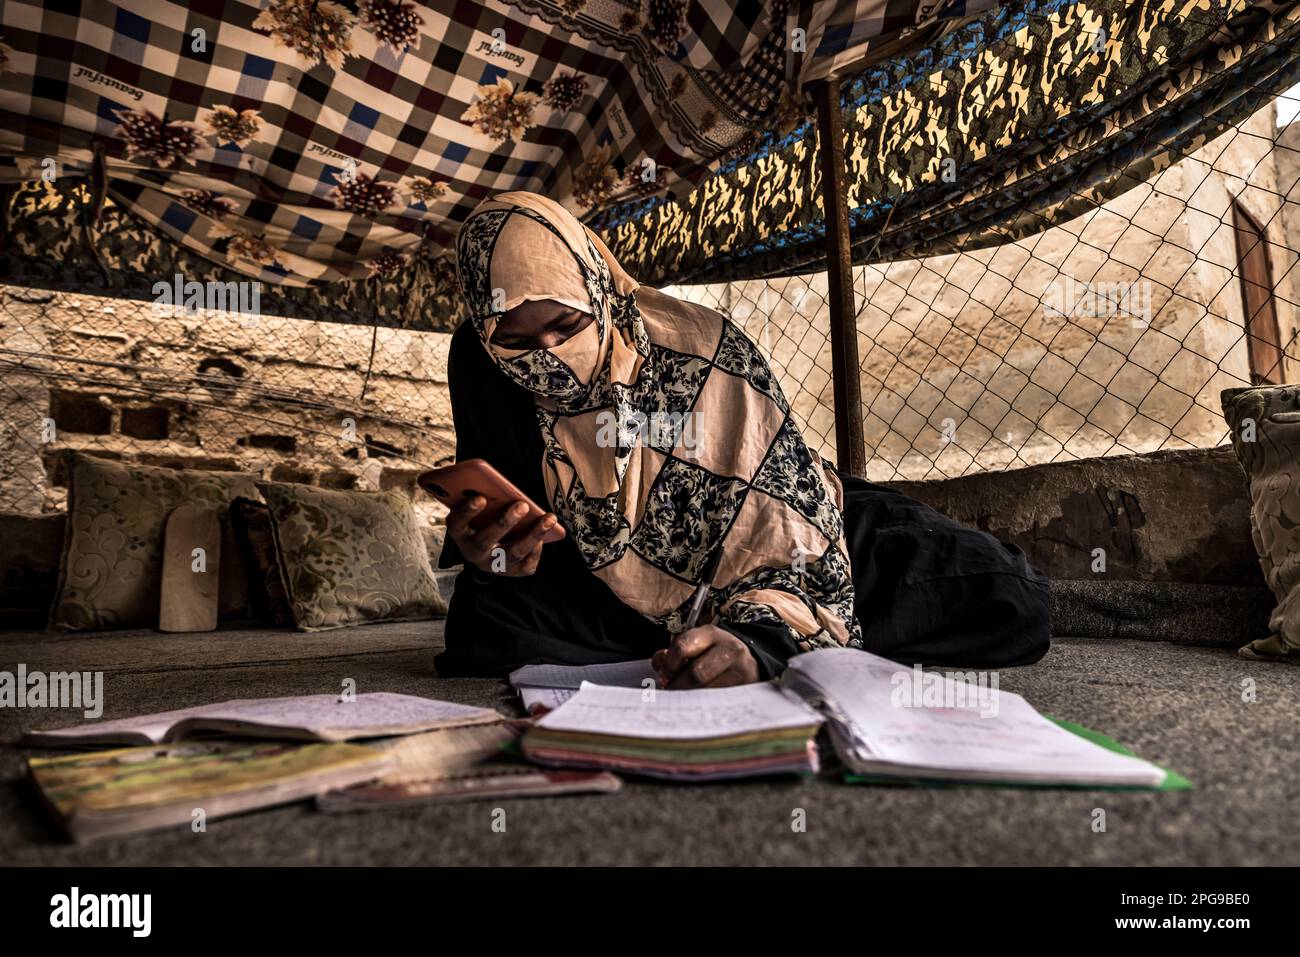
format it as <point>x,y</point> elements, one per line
<point>1173,780</point>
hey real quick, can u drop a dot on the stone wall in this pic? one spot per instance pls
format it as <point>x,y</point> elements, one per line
<point>1157,545</point>
<point>282,398</point>
<point>1287,158</point>
<point>1171,516</point>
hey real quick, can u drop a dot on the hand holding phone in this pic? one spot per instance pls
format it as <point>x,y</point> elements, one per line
<point>497,528</point>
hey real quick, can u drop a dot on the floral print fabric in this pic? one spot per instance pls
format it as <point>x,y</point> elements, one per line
<point>340,145</point>
<point>111,574</point>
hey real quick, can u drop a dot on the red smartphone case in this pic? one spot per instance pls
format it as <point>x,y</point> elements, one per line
<point>454,483</point>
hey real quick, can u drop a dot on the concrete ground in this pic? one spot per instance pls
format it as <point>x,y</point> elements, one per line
<point>1180,706</point>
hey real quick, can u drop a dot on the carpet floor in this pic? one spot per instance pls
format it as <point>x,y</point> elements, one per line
<point>1184,707</point>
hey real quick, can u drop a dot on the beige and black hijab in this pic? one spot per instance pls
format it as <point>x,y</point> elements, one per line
<point>668,442</point>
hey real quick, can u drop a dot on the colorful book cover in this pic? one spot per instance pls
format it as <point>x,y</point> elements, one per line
<point>142,788</point>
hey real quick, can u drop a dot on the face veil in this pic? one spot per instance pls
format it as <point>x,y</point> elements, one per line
<point>514,249</point>
<point>667,438</point>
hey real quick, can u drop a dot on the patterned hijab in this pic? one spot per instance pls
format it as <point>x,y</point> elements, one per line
<point>668,441</point>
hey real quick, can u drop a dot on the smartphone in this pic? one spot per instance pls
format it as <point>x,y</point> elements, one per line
<point>453,484</point>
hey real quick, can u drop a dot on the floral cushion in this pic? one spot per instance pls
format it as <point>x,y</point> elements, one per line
<point>350,557</point>
<point>1265,423</point>
<point>111,571</point>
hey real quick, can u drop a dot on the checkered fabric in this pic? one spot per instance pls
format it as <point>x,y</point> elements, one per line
<point>303,142</point>
<point>845,34</point>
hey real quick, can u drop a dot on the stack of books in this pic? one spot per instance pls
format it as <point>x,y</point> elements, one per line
<point>130,790</point>
<point>173,779</point>
<point>705,735</point>
<point>471,763</point>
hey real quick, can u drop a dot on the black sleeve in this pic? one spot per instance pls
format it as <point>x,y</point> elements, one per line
<point>494,420</point>
<point>770,644</point>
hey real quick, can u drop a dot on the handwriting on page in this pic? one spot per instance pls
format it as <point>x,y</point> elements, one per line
<point>546,697</point>
<point>709,712</point>
<point>311,712</point>
<point>1015,739</point>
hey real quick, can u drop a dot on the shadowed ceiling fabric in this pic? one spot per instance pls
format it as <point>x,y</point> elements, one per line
<point>330,150</point>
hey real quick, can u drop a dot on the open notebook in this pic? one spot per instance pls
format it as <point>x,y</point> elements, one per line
<point>993,738</point>
<point>1000,739</point>
<point>552,685</point>
<point>319,717</point>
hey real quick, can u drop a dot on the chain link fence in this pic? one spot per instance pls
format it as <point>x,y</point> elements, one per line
<point>1112,334</point>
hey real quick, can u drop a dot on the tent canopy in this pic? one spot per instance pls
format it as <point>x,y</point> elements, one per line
<point>306,144</point>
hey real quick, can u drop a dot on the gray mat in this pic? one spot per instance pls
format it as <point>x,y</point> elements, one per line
<point>1178,705</point>
<point>1182,612</point>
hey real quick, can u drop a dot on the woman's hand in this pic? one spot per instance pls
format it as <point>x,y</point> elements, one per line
<point>517,557</point>
<point>705,657</point>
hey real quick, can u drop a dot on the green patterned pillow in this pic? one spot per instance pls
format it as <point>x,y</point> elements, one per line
<point>111,571</point>
<point>351,557</point>
<point>1265,423</point>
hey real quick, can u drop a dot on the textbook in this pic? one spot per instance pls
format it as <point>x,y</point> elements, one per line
<point>704,735</point>
<point>887,723</point>
<point>457,764</point>
<point>319,717</point>
<point>131,790</point>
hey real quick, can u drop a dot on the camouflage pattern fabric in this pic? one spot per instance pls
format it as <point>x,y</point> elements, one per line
<point>49,239</point>
<point>973,131</point>
<point>1015,122</point>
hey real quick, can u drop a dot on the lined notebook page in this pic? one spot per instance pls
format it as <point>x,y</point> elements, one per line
<point>680,715</point>
<point>1017,741</point>
<point>546,697</point>
<point>366,712</point>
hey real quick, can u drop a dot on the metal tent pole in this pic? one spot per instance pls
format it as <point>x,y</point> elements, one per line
<point>850,445</point>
